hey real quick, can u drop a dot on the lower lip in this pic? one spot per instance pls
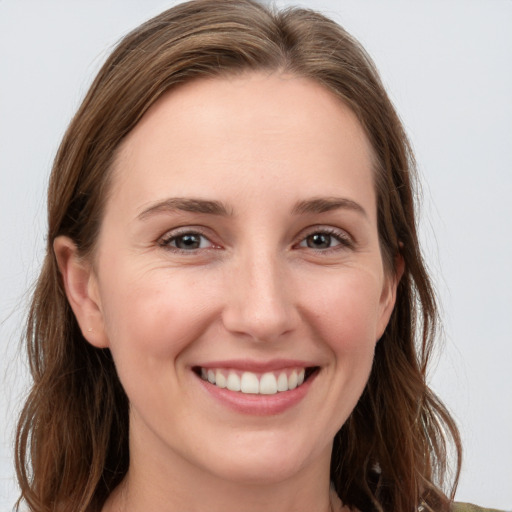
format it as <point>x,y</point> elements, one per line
<point>258,405</point>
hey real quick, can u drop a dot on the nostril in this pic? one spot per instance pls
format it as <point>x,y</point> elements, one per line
<point>260,325</point>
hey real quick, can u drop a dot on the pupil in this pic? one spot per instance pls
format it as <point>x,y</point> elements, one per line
<point>319,241</point>
<point>188,242</point>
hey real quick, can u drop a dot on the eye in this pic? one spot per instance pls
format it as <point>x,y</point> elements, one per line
<point>326,239</point>
<point>186,241</point>
<point>319,241</point>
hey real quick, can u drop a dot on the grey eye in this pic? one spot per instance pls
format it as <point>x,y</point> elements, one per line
<point>320,241</point>
<point>188,242</point>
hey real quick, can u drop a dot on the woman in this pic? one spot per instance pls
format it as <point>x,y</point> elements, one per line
<point>233,312</point>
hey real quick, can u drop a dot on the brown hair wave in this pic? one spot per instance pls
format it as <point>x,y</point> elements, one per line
<point>72,436</point>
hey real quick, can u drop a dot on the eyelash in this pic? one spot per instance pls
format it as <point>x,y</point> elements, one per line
<point>344,240</point>
<point>167,240</point>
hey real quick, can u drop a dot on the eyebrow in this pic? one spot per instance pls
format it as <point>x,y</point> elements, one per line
<point>185,204</point>
<point>212,207</point>
<point>327,204</point>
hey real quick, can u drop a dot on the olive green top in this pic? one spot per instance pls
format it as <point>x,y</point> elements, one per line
<point>468,507</point>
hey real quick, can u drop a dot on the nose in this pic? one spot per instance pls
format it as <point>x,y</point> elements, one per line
<point>259,303</point>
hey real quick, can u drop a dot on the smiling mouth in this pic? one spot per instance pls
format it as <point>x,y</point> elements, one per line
<point>268,383</point>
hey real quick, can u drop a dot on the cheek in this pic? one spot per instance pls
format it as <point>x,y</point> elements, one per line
<point>155,314</point>
<point>346,312</point>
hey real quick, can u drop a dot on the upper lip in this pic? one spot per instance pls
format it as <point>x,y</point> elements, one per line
<point>257,366</point>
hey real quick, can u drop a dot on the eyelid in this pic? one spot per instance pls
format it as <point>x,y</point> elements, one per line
<point>165,240</point>
<point>342,236</point>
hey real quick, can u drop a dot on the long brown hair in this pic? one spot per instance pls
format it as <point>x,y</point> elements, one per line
<point>72,437</point>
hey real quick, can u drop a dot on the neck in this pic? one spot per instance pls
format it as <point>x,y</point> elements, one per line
<point>127,498</point>
<point>176,485</point>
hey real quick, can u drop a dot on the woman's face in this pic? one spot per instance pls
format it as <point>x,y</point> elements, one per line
<point>239,249</point>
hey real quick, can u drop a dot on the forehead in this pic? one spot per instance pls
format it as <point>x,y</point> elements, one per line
<point>278,130</point>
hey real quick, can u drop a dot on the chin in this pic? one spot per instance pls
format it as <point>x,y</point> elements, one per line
<point>259,472</point>
<point>271,459</point>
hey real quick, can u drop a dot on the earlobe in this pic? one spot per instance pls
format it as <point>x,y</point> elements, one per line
<point>81,289</point>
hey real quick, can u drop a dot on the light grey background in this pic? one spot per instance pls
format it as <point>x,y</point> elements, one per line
<point>448,67</point>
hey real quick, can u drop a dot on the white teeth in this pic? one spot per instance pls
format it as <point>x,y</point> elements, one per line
<point>220,379</point>
<point>292,380</point>
<point>268,384</point>
<point>249,383</point>
<point>282,382</point>
<point>233,383</point>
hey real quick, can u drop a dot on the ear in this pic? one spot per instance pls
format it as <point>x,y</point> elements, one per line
<point>81,286</point>
<point>388,297</point>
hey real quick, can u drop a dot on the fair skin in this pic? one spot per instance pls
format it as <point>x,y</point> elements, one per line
<point>239,237</point>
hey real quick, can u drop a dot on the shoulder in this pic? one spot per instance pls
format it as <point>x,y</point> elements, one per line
<point>468,507</point>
